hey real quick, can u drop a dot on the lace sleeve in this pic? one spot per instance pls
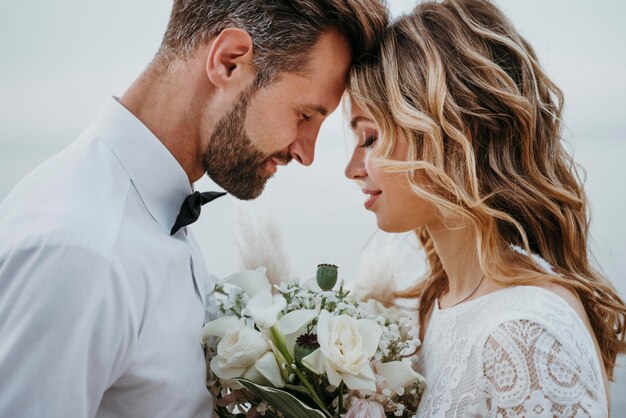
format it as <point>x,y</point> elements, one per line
<point>530,372</point>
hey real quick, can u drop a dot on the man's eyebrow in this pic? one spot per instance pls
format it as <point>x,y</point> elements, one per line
<point>317,108</point>
<point>355,121</point>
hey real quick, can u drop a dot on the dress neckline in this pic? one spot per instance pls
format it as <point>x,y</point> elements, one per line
<point>470,302</point>
<point>543,263</point>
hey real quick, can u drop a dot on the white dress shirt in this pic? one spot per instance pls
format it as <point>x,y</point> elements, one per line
<point>101,309</point>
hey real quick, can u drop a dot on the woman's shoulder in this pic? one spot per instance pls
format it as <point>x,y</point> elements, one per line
<point>546,352</point>
<point>569,297</point>
<point>548,295</point>
<point>543,301</point>
<point>554,308</point>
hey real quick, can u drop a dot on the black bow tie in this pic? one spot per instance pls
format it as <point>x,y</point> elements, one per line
<point>190,210</point>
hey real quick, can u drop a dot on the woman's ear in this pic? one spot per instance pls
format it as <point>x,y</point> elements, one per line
<point>230,59</point>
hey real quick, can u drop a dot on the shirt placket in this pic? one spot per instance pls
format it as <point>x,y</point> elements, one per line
<point>200,276</point>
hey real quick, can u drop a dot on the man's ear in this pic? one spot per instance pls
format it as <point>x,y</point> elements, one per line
<point>230,59</point>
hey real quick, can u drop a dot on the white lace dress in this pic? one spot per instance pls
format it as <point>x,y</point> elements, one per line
<point>517,352</point>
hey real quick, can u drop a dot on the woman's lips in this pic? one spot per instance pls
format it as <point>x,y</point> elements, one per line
<point>374,194</point>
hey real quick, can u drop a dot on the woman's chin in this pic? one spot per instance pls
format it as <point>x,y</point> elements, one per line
<point>391,226</point>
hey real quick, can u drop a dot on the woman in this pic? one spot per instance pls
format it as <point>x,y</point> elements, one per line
<point>459,140</point>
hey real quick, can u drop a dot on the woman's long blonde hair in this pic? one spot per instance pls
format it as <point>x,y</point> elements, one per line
<point>483,123</point>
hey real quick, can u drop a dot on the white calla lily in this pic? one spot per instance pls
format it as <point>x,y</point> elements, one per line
<point>315,362</point>
<point>219,327</point>
<point>293,324</point>
<point>264,308</point>
<point>346,348</point>
<point>295,320</point>
<point>265,370</point>
<point>396,374</point>
<point>250,281</point>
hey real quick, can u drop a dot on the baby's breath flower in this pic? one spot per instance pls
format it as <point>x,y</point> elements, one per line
<point>262,408</point>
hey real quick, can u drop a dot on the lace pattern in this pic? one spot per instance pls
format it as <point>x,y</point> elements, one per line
<point>517,352</point>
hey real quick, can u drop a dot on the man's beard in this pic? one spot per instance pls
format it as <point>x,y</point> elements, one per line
<point>231,159</point>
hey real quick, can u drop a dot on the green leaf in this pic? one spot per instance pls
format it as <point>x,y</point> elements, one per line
<point>302,394</point>
<point>299,389</point>
<point>284,402</point>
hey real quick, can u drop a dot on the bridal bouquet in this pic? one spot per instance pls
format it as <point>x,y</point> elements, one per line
<point>308,349</point>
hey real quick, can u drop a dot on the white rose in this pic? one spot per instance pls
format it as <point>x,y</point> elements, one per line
<point>238,350</point>
<point>346,348</point>
<point>242,351</point>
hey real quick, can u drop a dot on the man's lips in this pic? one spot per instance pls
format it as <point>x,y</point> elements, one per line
<point>272,163</point>
<point>374,194</point>
<point>279,161</point>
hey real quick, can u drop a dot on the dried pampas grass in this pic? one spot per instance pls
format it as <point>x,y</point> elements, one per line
<point>382,267</point>
<point>259,241</point>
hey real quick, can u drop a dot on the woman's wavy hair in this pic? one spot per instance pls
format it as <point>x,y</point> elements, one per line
<point>483,124</point>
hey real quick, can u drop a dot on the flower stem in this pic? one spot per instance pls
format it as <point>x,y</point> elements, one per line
<point>279,341</point>
<point>340,405</point>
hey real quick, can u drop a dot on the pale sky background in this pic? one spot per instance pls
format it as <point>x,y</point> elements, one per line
<point>60,60</point>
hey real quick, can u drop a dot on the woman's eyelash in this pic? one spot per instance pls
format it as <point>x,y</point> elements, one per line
<point>369,141</point>
<point>305,116</point>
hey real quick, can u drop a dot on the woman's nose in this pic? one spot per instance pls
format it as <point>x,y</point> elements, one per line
<point>355,170</point>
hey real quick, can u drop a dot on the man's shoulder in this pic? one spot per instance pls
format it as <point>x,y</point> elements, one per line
<point>76,198</point>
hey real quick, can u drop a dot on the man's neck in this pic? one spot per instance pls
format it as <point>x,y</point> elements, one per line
<point>166,103</point>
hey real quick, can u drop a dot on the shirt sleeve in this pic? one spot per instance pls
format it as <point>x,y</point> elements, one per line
<point>66,330</point>
<point>529,371</point>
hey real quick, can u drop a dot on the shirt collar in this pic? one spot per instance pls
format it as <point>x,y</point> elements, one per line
<point>159,179</point>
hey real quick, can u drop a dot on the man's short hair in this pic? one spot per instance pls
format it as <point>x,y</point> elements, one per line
<point>283,31</point>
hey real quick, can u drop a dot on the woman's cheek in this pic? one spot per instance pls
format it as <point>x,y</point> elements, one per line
<point>373,170</point>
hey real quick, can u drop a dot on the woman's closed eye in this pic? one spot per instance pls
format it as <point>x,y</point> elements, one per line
<point>369,139</point>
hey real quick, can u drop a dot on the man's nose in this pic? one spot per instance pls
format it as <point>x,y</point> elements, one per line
<point>303,150</point>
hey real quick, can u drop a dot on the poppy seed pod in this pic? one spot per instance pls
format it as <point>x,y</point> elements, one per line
<point>326,276</point>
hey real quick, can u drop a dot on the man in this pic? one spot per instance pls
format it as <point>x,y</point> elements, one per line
<point>102,290</point>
